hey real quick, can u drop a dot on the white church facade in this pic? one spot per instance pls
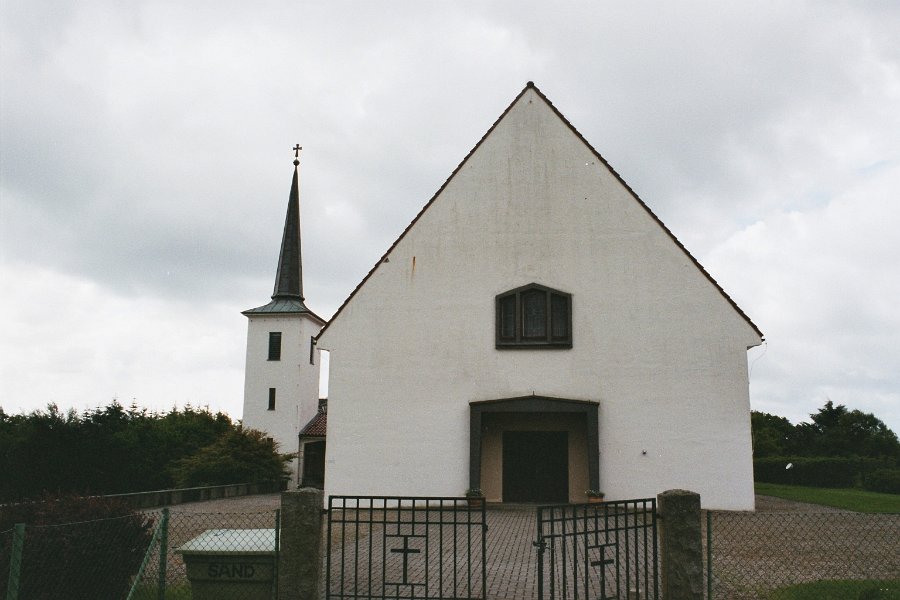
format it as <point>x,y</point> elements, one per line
<point>534,333</point>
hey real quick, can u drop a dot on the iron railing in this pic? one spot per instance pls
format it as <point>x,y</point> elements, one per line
<point>605,551</point>
<point>405,547</point>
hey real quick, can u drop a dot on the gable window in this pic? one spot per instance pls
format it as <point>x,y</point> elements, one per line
<point>274,345</point>
<point>271,398</point>
<point>534,316</point>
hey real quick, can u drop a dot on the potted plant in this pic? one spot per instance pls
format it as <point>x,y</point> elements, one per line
<point>475,497</point>
<point>594,496</point>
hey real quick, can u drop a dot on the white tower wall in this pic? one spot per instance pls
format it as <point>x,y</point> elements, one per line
<point>295,380</point>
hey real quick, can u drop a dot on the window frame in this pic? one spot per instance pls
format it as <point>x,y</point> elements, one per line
<point>272,393</point>
<point>275,350</point>
<point>518,340</point>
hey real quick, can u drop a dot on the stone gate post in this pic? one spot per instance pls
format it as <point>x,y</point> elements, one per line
<point>681,548</point>
<point>300,556</point>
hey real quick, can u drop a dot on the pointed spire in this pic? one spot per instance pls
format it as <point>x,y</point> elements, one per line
<point>287,298</point>
<point>289,279</point>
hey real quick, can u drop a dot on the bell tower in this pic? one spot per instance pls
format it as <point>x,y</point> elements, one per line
<point>281,377</point>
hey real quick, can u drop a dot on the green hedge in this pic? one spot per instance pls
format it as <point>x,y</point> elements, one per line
<point>826,472</point>
<point>883,480</point>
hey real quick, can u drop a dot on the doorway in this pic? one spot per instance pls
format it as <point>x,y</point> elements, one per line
<point>536,466</point>
<point>313,465</point>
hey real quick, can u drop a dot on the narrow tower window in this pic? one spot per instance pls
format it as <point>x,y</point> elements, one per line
<point>274,345</point>
<point>271,398</point>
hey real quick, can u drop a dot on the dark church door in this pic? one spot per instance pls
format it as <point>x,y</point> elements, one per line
<point>314,465</point>
<point>536,466</point>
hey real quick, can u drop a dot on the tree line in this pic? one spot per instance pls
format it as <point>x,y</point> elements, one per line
<point>838,447</point>
<point>113,449</point>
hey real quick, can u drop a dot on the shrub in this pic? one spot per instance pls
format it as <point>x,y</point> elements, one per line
<point>883,480</point>
<point>76,547</point>
<point>238,456</point>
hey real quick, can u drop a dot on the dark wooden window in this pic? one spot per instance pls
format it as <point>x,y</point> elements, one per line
<point>271,398</point>
<point>506,319</point>
<point>274,345</point>
<point>534,316</point>
<point>559,323</point>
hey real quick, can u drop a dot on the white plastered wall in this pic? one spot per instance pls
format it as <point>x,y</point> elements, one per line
<point>655,343</point>
<point>295,380</point>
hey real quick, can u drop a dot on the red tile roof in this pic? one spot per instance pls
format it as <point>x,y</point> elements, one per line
<point>317,426</point>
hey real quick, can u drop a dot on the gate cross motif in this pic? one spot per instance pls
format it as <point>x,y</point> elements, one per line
<point>405,551</point>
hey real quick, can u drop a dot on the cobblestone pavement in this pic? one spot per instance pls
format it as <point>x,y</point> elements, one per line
<point>511,556</point>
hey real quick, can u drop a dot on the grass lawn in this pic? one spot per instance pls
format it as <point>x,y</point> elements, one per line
<point>173,592</point>
<point>839,590</point>
<point>848,499</point>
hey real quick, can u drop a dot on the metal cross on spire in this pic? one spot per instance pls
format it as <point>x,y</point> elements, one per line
<point>297,150</point>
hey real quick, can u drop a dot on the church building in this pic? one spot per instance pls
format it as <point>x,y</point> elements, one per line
<point>537,332</point>
<point>534,334</point>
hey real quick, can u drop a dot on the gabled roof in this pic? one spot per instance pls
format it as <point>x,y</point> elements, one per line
<point>530,86</point>
<point>287,297</point>
<point>317,426</point>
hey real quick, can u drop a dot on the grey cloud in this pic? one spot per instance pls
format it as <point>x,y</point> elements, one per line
<point>146,145</point>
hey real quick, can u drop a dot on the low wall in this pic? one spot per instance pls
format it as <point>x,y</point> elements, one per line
<point>196,494</point>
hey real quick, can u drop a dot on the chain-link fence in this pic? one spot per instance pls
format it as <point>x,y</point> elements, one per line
<point>792,556</point>
<point>187,556</point>
<point>144,556</point>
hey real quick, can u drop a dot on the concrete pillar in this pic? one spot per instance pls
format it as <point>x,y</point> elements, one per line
<point>300,557</point>
<point>681,548</point>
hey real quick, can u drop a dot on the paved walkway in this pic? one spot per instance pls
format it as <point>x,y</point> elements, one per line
<point>511,556</point>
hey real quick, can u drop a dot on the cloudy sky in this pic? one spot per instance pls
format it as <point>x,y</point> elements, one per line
<point>146,163</point>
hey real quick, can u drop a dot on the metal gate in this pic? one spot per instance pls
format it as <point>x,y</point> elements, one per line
<point>598,551</point>
<point>405,547</point>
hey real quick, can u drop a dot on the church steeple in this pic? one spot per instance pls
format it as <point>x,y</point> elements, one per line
<point>281,380</point>
<point>287,296</point>
<point>289,279</point>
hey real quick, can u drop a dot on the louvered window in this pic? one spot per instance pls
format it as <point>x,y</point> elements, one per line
<point>274,345</point>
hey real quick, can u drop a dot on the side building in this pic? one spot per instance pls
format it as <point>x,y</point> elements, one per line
<point>281,377</point>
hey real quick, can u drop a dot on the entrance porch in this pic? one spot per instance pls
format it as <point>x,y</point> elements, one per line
<point>534,449</point>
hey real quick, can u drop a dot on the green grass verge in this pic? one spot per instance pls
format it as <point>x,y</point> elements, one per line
<point>180,591</point>
<point>848,499</point>
<point>839,590</point>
